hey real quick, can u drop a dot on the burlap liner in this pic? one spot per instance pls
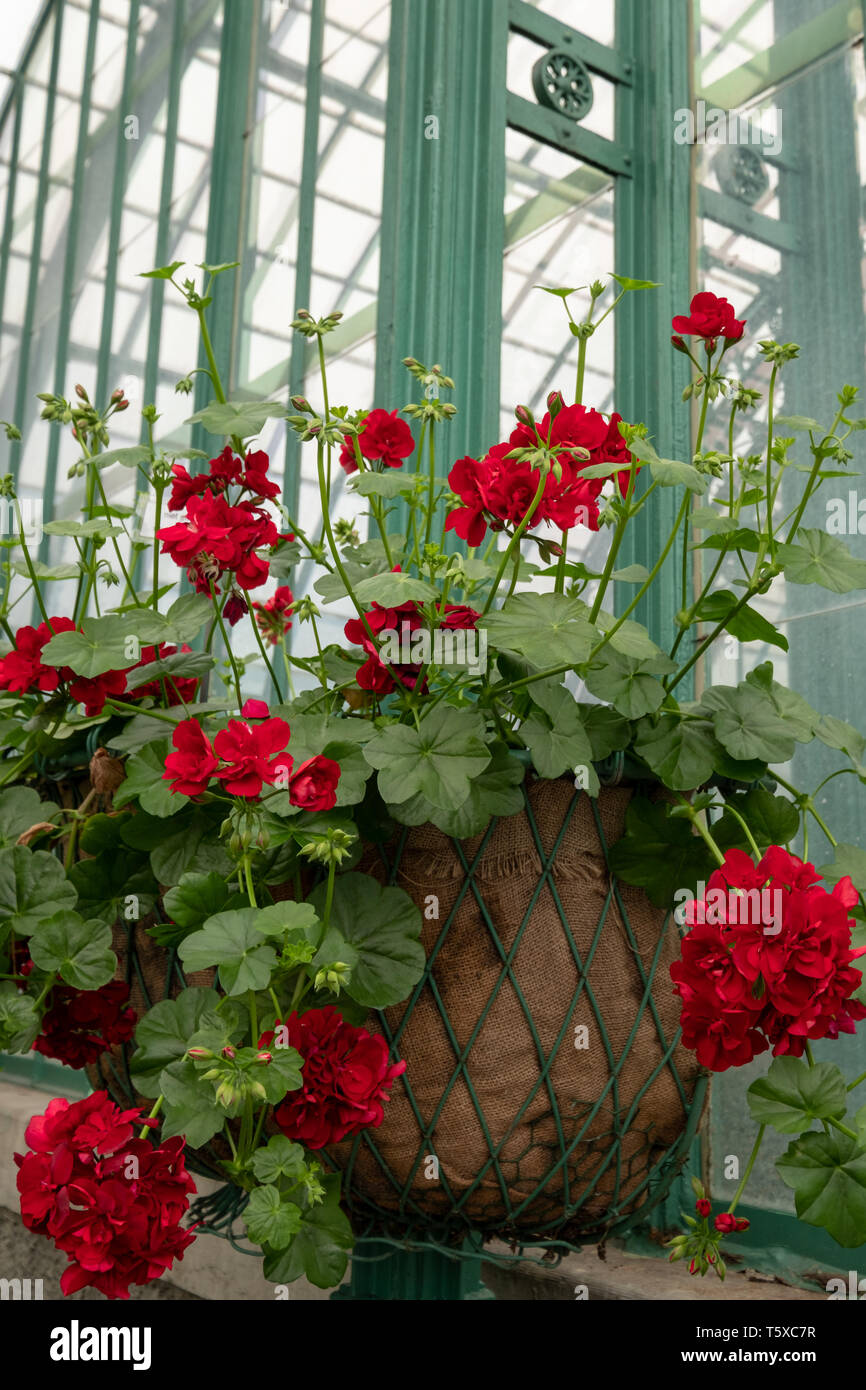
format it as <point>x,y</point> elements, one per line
<point>626,1136</point>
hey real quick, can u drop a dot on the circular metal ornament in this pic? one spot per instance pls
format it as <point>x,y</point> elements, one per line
<point>741,173</point>
<point>561,81</point>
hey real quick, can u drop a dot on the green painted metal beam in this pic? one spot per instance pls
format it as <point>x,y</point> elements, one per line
<point>533,23</point>
<point>551,128</point>
<point>440,296</point>
<point>118,189</point>
<point>653,229</point>
<point>739,217</point>
<point>70,288</point>
<point>38,225</point>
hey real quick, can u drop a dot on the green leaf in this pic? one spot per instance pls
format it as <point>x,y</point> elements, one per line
<point>850,861</point>
<point>271,1219</point>
<point>555,736</point>
<point>320,1248</point>
<point>562,292</point>
<point>627,283</point>
<point>608,731</point>
<point>188,844</point>
<point>33,887</point>
<point>114,885</point>
<point>828,1175</point>
<point>627,682</point>
<point>792,1095</point>
<point>632,639</point>
<point>44,571</point>
<point>773,820</point>
<point>680,751</point>
<point>79,951</point>
<point>279,1158</point>
<point>439,759</point>
<point>818,558</point>
<point>240,418</point>
<point>290,916</point>
<point>20,1020</point>
<point>542,627</point>
<point>747,724</point>
<point>144,783</point>
<point>382,926</point>
<point>282,1074</point>
<point>796,422</point>
<point>176,664</point>
<point>797,712</point>
<point>195,898</point>
<point>191,1107</point>
<point>230,941</point>
<point>100,647</point>
<point>709,520</point>
<point>496,792</point>
<point>835,733</point>
<point>747,624</point>
<point>165,272</point>
<point>389,589</point>
<point>20,808</point>
<point>658,852</point>
<point>97,527</point>
<point>390,484</point>
<point>170,1027</point>
<point>134,457</point>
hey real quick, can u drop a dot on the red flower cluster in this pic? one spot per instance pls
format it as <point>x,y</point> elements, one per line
<point>385,438</point>
<point>82,1024</point>
<point>218,537</point>
<point>346,1078</point>
<point>24,669</point>
<point>110,1202</point>
<point>245,757</point>
<point>496,491</point>
<point>710,318</point>
<point>767,961</point>
<point>275,617</point>
<point>402,618</point>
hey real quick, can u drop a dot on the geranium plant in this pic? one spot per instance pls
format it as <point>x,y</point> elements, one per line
<point>230,819</point>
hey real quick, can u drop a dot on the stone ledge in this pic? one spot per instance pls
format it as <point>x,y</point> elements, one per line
<point>623,1277</point>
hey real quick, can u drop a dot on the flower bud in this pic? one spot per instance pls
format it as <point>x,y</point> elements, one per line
<point>199,1053</point>
<point>678,344</point>
<point>524,415</point>
<point>116,395</point>
<point>80,392</point>
<point>228,1051</point>
<point>264,1058</point>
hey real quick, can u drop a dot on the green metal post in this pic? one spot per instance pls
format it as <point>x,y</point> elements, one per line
<point>654,227</point>
<point>443,224</point>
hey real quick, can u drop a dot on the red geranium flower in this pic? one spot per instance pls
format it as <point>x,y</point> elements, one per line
<point>92,692</point>
<point>710,317</point>
<point>346,1078</point>
<point>313,785</point>
<point>768,961</point>
<point>82,1024</point>
<point>249,752</point>
<point>23,668</point>
<point>191,767</point>
<point>385,438</point>
<point>111,1202</point>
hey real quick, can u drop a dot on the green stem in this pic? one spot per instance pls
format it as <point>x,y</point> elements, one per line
<point>145,1129</point>
<point>748,1173</point>
<point>614,548</point>
<point>737,817</point>
<point>211,360</point>
<point>218,613</point>
<point>705,835</point>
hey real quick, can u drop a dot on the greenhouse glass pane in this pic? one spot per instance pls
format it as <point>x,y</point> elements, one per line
<point>786,249</point>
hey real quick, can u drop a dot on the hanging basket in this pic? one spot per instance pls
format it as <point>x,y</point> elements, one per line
<point>545,1094</point>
